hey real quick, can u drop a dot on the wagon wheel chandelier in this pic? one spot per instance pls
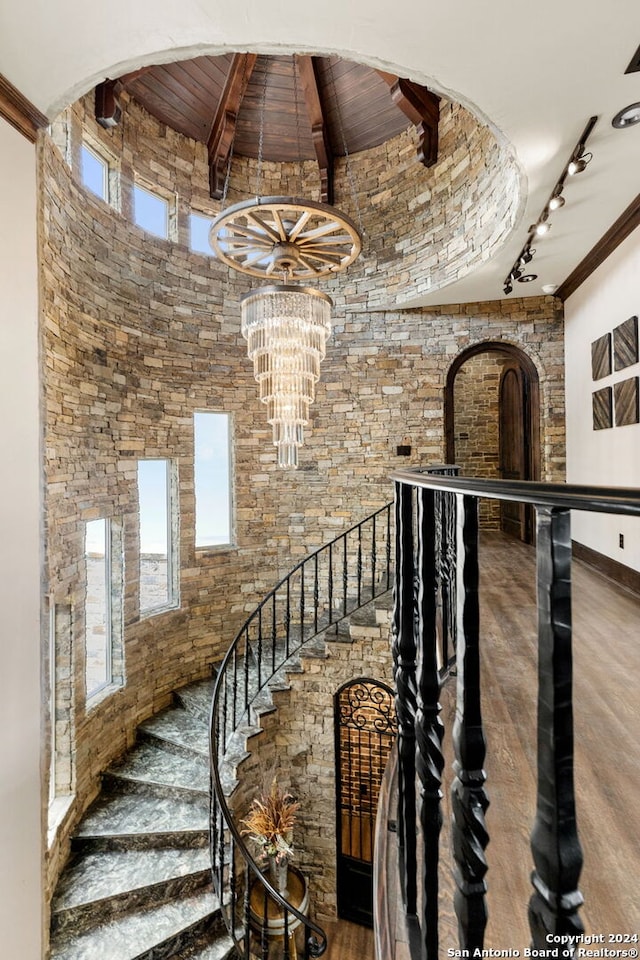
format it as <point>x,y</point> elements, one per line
<point>286,326</point>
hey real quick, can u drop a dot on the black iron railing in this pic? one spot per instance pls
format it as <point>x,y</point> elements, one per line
<point>556,852</point>
<point>319,592</point>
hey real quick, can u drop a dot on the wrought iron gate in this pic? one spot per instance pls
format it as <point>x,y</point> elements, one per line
<point>365,726</point>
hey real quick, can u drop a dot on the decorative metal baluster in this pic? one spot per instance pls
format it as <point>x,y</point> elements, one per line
<point>264,930</point>
<point>468,796</point>
<point>247,913</point>
<point>388,548</point>
<point>404,669</point>
<point>287,618</point>
<point>302,603</point>
<point>557,855</point>
<point>287,945</point>
<point>274,633</point>
<point>330,583</point>
<point>235,687</point>
<point>359,564</point>
<point>316,593</point>
<point>260,642</point>
<point>246,670</point>
<point>373,557</point>
<point>225,706</point>
<point>345,576</point>
<point>429,728</point>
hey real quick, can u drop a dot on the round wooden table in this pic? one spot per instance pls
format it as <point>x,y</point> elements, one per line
<point>297,896</point>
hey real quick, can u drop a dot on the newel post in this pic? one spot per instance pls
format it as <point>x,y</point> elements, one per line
<point>557,855</point>
<point>404,671</point>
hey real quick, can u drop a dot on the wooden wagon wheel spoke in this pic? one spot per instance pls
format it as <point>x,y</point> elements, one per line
<point>298,238</point>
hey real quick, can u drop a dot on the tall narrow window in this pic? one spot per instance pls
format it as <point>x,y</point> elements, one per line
<point>97,606</point>
<point>157,522</point>
<point>94,172</point>
<point>150,211</point>
<point>199,227</point>
<point>212,468</point>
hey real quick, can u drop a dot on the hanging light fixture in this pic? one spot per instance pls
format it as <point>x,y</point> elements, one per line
<point>286,326</point>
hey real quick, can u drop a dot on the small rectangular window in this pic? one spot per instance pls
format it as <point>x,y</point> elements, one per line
<point>97,606</point>
<point>212,473</point>
<point>150,211</point>
<point>155,499</point>
<point>94,172</point>
<point>199,227</point>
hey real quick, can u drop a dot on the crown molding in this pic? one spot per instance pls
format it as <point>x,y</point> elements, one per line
<point>20,112</point>
<point>619,231</point>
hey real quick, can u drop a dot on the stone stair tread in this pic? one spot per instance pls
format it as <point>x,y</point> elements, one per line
<point>181,727</point>
<point>99,876</point>
<point>135,934</point>
<point>149,763</point>
<point>219,949</point>
<point>119,814</point>
<point>196,697</point>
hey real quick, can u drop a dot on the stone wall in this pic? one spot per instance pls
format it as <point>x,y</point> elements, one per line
<point>139,333</point>
<point>476,410</point>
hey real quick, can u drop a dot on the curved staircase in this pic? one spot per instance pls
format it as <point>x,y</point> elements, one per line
<point>138,884</point>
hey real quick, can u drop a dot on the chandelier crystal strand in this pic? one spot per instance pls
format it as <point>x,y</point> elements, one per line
<point>286,328</point>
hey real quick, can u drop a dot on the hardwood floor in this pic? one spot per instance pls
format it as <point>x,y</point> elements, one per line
<point>606,630</point>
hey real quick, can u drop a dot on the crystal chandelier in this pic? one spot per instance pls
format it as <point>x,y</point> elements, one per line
<point>286,328</point>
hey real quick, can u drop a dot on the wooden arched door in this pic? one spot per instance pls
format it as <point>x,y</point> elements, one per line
<point>518,425</point>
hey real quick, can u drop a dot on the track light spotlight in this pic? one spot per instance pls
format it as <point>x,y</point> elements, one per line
<point>557,200</point>
<point>578,164</point>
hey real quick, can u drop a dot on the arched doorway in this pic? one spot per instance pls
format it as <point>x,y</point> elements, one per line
<point>492,425</point>
<point>365,729</point>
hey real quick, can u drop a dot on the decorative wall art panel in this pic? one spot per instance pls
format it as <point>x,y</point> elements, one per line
<point>601,357</point>
<point>626,402</point>
<point>602,409</point>
<point>625,344</point>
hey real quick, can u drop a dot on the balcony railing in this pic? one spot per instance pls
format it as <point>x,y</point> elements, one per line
<point>425,547</point>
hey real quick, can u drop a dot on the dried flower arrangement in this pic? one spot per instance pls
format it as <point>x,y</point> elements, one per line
<point>270,823</point>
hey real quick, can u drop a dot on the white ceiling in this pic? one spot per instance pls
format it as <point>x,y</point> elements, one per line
<point>535,71</point>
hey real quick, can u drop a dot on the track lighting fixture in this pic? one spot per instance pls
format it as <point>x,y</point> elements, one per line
<point>557,200</point>
<point>576,164</point>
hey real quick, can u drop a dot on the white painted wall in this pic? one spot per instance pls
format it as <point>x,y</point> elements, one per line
<point>611,457</point>
<point>20,818</point>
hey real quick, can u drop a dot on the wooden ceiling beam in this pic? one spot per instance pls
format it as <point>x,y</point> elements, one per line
<point>308,72</point>
<point>20,112</point>
<point>423,110</point>
<point>224,123</point>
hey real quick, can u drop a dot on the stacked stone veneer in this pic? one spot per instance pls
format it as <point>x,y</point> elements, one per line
<point>138,333</point>
<point>476,419</point>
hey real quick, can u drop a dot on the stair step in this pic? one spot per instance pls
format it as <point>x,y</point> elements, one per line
<point>209,947</point>
<point>99,886</point>
<point>196,697</point>
<point>142,935</point>
<point>143,822</point>
<point>151,765</point>
<point>178,730</point>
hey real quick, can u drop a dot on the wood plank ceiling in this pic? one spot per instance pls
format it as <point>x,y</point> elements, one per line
<point>300,107</point>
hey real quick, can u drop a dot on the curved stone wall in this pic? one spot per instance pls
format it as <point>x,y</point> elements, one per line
<point>138,333</point>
